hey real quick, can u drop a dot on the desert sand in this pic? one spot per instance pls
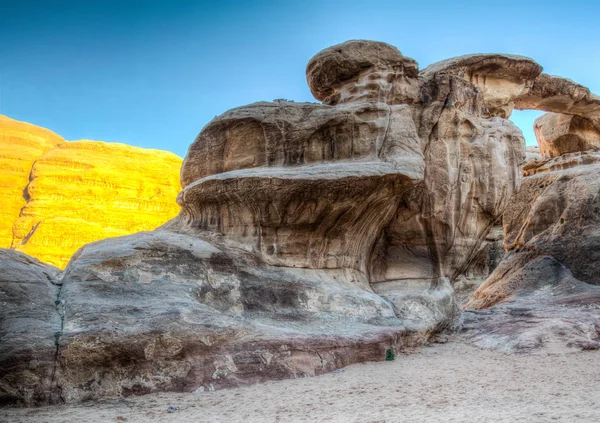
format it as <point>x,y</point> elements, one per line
<point>451,382</point>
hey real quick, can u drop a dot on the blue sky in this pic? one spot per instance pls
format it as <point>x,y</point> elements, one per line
<point>153,73</point>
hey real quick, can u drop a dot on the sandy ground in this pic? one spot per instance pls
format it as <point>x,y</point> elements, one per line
<point>453,382</point>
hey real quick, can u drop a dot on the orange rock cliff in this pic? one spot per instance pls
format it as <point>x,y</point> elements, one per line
<point>58,195</point>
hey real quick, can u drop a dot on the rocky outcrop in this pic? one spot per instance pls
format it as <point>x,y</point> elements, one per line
<point>502,79</point>
<point>61,195</point>
<point>558,134</point>
<point>554,212</point>
<point>545,289</point>
<point>361,70</point>
<point>560,95</point>
<point>21,144</point>
<point>310,236</point>
<point>30,327</point>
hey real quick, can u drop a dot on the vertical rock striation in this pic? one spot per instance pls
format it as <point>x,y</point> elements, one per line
<point>21,144</point>
<point>550,274</point>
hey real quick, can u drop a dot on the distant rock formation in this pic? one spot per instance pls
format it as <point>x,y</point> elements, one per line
<point>58,196</point>
<point>310,236</point>
<point>21,144</point>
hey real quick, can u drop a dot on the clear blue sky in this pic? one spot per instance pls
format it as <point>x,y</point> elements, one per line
<point>153,73</point>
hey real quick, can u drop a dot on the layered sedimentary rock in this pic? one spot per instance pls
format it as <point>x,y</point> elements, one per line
<point>558,134</point>
<point>551,274</point>
<point>21,144</point>
<point>61,195</point>
<point>84,191</point>
<point>556,214</point>
<point>560,95</point>
<point>502,79</point>
<point>310,236</point>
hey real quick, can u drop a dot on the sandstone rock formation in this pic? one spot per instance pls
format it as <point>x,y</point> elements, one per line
<point>29,329</point>
<point>311,236</point>
<point>558,134</point>
<point>532,153</point>
<point>554,215</point>
<point>551,274</point>
<point>59,195</point>
<point>21,144</point>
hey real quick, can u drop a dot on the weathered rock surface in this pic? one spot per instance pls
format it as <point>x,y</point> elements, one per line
<point>558,134</point>
<point>169,311</point>
<point>501,78</point>
<point>310,236</point>
<point>553,213</point>
<point>543,307</point>
<point>560,95</point>
<point>29,329</point>
<point>360,70</point>
<point>21,144</point>
<point>546,290</point>
<point>61,195</point>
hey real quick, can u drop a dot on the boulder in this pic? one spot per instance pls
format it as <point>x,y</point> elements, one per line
<point>30,325</point>
<point>171,311</point>
<point>361,70</point>
<point>558,134</point>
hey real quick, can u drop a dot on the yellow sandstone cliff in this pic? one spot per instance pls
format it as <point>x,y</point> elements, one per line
<point>20,145</point>
<point>59,195</point>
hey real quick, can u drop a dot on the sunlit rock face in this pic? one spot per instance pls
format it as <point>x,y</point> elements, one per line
<point>84,191</point>
<point>21,144</point>
<point>61,195</point>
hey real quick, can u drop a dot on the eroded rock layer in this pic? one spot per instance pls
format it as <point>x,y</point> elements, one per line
<point>303,228</point>
<point>550,274</point>
<point>61,195</point>
<point>21,144</point>
<point>30,326</point>
<point>312,236</point>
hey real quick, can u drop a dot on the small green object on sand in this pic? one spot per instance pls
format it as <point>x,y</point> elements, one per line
<point>389,355</point>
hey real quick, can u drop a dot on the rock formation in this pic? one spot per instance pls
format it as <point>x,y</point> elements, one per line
<point>558,134</point>
<point>310,236</point>
<point>21,144</point>
<point>551,274</point>
<point>29,329</point>
<point>59,195</point>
